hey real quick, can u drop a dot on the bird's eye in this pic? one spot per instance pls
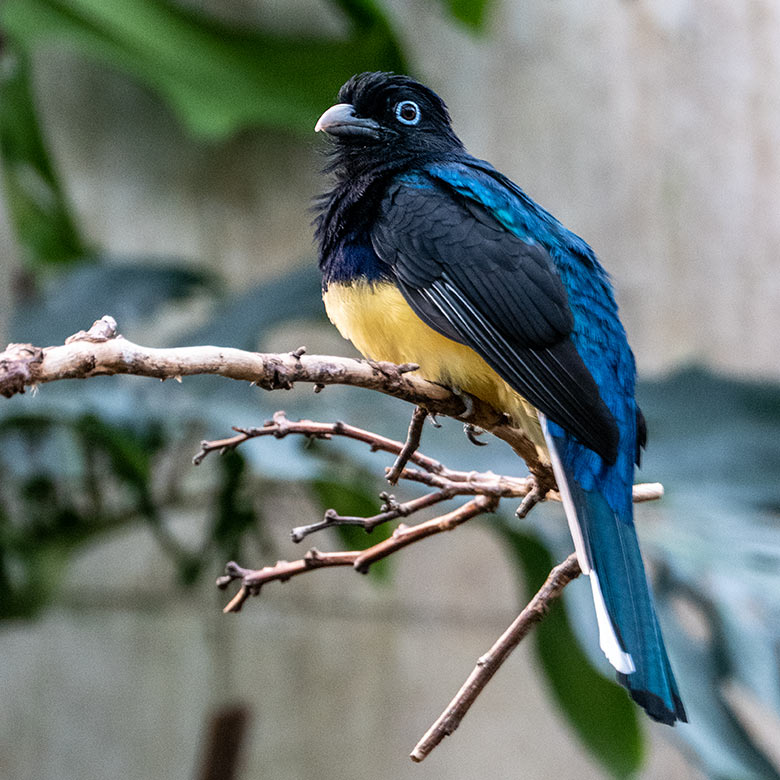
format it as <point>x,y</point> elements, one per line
<point>407,112</point>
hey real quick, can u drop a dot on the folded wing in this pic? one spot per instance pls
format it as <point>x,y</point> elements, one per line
<point>471,279</point>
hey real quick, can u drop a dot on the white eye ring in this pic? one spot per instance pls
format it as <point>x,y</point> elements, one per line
<point>407,112</point>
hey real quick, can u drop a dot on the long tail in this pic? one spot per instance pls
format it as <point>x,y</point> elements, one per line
<point>629,634</point>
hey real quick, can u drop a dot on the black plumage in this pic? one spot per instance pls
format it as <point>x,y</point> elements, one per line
<point>469,278</point>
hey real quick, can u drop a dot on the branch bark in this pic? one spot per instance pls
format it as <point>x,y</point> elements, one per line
<point>101,351</point>
<point>489,663</point>
<point>360,560</point>
<point>448,482</point>
<point>410,446</point>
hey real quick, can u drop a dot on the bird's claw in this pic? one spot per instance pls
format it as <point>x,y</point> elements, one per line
<point>391,370</point>
<point>472,432</point>
<point>468,403</point>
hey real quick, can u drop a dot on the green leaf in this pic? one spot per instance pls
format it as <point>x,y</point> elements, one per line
<point>216,78</point>
<point>30,581</point>
<point>234,513</point>
<point>129,455</point>
<point>38,208</point>
<point>598,709</point>
<point>468,12</point>
<point>351,498</point>
<point>70,481</point>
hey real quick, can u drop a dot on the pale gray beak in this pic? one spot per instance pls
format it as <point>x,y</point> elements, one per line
<point>341,120</point>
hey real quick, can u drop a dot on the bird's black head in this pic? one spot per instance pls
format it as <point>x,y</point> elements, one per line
<point>385,116</point>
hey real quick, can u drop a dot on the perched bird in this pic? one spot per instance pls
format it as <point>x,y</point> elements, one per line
<point>431,256</point>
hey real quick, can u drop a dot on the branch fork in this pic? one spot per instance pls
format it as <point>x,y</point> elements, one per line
<point>487,489</point>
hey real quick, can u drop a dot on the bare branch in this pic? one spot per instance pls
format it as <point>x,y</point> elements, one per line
<point>99,352</point>
<point>361,560</point>
<point>280,426</point>
<point>447,482</point>
<point>412,443</point>
<point>489,663</point>
<point>406,535</point>
<point>532,498</point>
<point>253,580</point>
<point>647,491</point>
<point>18,367</point>
<point>391,510</point>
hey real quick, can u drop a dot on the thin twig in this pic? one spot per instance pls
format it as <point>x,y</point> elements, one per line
<point>413,437</point>
<point>253,579</point>
<point>448,482</point>
<point>406,535</point>
<point>532,498</point>
<point>391,510</point>
<point>434,473</point>
<point>489,663</point>
<point>280,426</point>
<point>361,560</point>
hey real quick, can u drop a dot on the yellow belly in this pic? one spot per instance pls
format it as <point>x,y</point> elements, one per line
<point>380,323</point>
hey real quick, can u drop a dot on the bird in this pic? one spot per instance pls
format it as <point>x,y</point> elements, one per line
<point>431,256</point>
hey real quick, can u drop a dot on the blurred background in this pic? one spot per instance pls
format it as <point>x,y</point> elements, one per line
<point>158,164</point>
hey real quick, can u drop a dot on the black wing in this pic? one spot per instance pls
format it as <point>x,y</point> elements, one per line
<point>470,279</point>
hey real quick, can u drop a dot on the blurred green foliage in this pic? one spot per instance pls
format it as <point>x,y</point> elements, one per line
<point>44,518</point>
<point>217,78</point>
<point>44,226</point>
<point>472,13</point>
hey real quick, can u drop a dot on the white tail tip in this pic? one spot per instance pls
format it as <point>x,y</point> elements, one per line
<point>608,640</point>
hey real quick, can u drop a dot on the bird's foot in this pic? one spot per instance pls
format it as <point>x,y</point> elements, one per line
<point>391,370</point>
<point>472,432</point>
<point>468,403</point>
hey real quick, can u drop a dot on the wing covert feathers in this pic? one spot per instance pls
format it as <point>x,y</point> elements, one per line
<point>471,279</point>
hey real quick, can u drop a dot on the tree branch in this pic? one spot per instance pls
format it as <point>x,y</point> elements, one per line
<point>391,510</point>
<point>101,351</point>
<point>360,560</point>
<point>489,663</point>
<point>448,482</point>
<point>413,437</point>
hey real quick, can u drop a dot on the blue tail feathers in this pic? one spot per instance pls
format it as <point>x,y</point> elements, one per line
<point>614,552</point>
<point>607,547</point>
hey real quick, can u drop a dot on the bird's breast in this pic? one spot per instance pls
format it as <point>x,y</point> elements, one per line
<point>376,318</point>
